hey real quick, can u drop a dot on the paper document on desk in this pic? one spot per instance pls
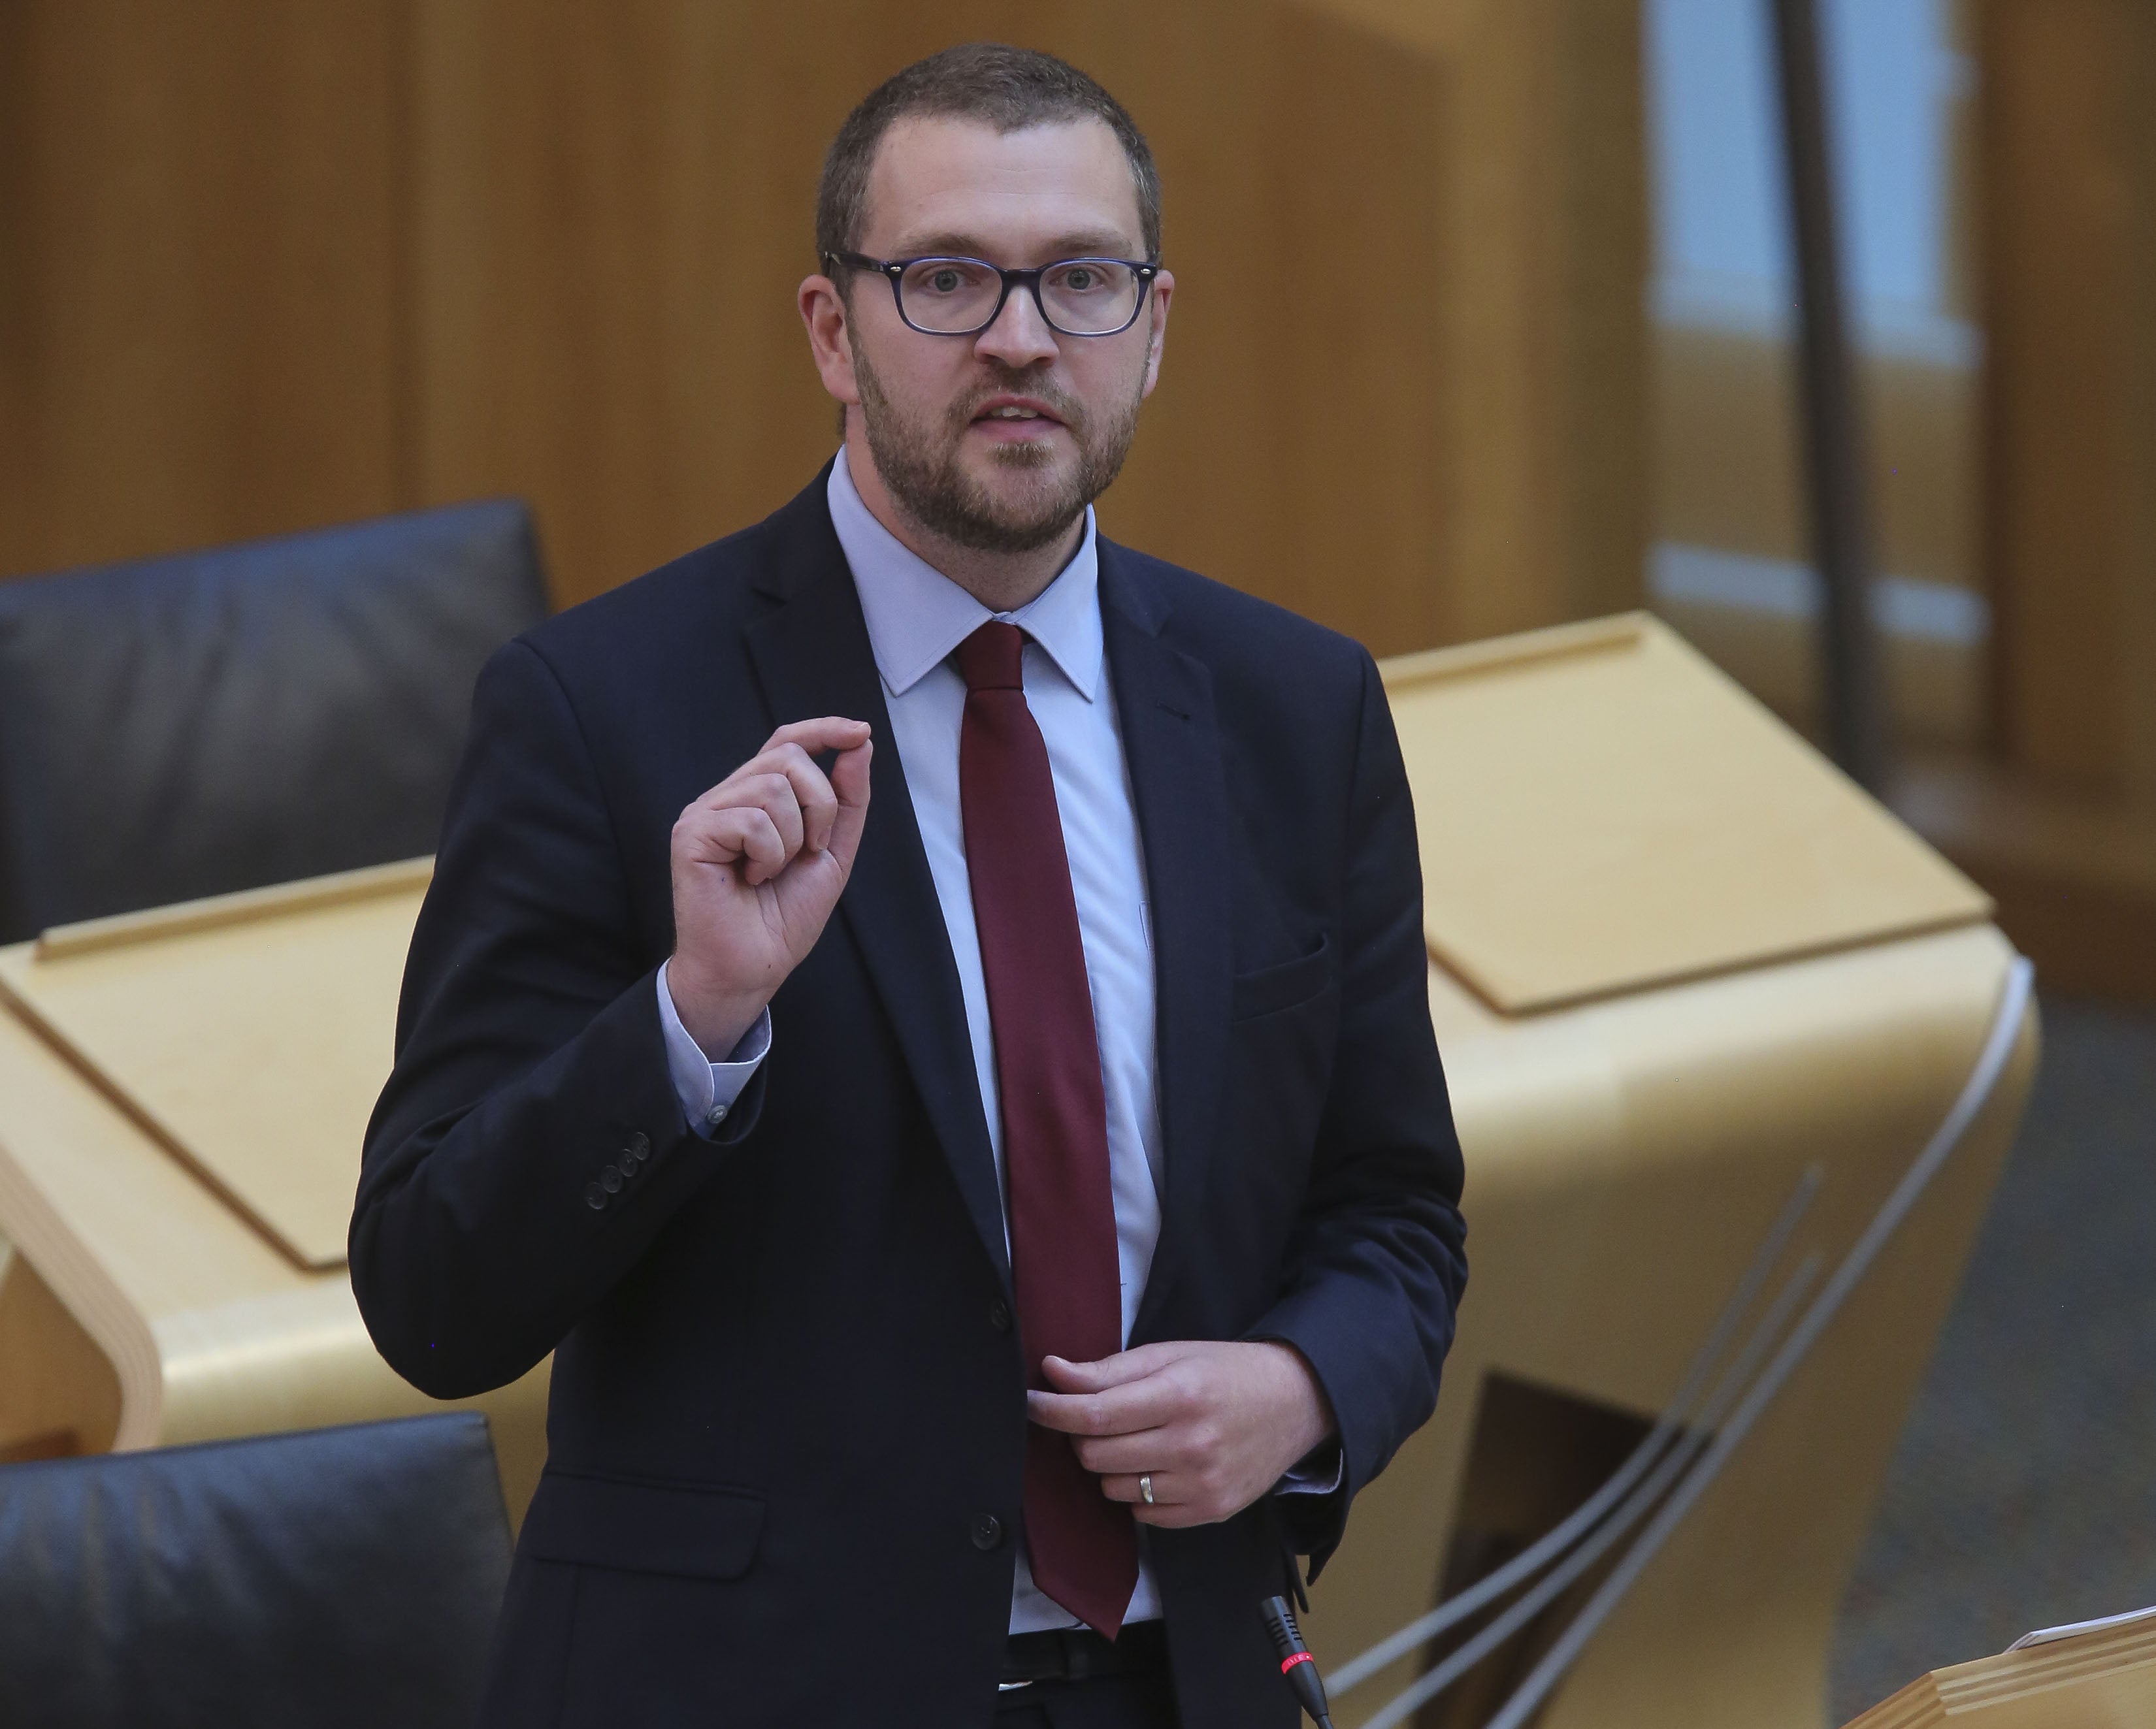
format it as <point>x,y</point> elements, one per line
<point>2073,1629</point>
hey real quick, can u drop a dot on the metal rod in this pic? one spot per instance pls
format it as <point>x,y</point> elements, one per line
<point>1855,701</point>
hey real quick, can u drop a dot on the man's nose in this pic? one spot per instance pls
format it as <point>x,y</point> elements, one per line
<point>1020,336</point>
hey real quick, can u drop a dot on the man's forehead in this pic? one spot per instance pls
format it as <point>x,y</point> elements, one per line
<point>937,180</point>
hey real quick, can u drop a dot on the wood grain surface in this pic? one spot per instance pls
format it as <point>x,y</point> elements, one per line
<point>273,264</point>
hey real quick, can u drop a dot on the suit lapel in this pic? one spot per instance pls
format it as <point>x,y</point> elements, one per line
<point>1172,745</point>
<point>812,653</point>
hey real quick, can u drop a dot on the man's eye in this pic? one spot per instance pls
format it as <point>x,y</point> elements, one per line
<point>944,282</point>
<point>1080,279</point>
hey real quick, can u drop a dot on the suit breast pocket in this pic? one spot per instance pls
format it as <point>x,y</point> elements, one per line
<point>1289,985</point>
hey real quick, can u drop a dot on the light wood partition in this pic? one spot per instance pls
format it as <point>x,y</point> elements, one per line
<point>273,264</point>
<point>2070,153</point>
<point>1677,962</point>
<point>2058,817</point>
<point>183,1097</point>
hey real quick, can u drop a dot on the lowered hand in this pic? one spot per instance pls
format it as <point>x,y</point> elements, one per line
<point>1214,1424</point>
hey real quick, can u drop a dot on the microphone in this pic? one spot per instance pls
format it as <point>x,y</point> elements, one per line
<point>1297,1663</point>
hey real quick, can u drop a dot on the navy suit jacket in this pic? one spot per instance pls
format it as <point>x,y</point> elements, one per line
<point>788,1407</point>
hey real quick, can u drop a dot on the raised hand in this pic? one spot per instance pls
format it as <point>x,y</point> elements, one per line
<point>758,863</point>
<point>1214,1424</point>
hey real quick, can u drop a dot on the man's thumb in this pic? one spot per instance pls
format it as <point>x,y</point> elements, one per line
<point>1067,1377</point>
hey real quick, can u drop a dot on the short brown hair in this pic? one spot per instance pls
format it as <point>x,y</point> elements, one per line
<point>1009,89</point>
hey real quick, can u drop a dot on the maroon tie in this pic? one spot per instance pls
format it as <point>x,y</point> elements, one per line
<point>1084,1546</point>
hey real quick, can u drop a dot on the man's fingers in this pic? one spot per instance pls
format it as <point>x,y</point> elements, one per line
<point>776,796</point>
<point>1176,1504</point>
<point>746,834</point>
<point>771,795</point>
<point>835,807</point>
<point>1125,1366</point>
<point>1145,1450</point>
<point>1119,1410</point>
<point>1065,1376</point>
<point>1121,1394</point>
<point>849,786</point>
<point>808,788</point>
<point>811,792</point>
<point>831,732</point>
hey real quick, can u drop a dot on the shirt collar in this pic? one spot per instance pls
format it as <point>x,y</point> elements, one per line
<point>916,615</point>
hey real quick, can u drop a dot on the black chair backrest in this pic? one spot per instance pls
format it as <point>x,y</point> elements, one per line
<point>337,1578</point>
<point>189,725</point>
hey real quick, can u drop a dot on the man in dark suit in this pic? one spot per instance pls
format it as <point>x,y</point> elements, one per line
<point>964,1308</point>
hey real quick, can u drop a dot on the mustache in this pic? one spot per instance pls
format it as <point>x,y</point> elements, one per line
<point>1006,381</point>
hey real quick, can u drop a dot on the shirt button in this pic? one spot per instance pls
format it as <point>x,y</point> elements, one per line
<point>999,1315</point>
<point>987,1530</point>
<point>718,1114</point>
<point>610,1180</point>
<point>594,1196</point>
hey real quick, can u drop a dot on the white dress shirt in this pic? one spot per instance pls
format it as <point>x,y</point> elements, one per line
<point>917,617</point>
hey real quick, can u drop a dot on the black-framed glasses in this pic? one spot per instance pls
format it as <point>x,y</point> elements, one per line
<point>963,296</point>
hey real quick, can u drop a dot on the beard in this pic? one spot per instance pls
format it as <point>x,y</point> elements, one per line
<point>917,456</point>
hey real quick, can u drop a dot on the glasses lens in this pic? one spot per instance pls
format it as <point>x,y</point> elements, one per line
<point>948,294</point>
<point>1090,296</point>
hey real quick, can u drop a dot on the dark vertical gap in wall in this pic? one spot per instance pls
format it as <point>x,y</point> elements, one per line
<point>19,356</point>
<point>408,457</point>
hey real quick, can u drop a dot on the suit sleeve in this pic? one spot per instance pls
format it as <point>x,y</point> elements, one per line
<point>530,1145</point>
<point>1377,1263</point>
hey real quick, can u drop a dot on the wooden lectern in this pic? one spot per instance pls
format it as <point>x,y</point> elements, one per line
<point>182,1095</point>
<point>1677,960</point>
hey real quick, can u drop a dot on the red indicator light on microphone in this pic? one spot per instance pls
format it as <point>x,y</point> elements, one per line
<point>1297,1666</point>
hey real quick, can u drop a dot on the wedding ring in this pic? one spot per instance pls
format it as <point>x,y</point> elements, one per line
<point>1145,1488</point>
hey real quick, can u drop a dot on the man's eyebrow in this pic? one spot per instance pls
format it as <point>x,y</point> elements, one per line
<point>1085,243</point>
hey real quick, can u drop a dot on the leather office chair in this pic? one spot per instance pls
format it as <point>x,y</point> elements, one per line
<point>180,726</point>
<point>338,1578</point>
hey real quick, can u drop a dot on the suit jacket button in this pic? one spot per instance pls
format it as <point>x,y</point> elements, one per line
<point>999,1315</point>
<point>610,1180</point>
<point>987,1530</point>
<point>595,1198</point>
<point>639,1146</point>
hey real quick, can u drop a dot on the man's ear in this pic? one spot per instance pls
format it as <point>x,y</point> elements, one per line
<point>1163,290</point>
<point>826,316</point>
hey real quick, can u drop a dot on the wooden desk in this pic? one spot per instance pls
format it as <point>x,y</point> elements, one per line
<point>182,1095</point>
<point>1677,960</point>
<point>2103,1678</point>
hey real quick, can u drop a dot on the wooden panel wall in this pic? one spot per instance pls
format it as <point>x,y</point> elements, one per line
<point>265,264</point>
<point>199,269</point>
<point>2058,819</point>
<point>2069,141</point>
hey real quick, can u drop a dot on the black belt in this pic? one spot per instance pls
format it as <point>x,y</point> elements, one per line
<point>1078,1654</point>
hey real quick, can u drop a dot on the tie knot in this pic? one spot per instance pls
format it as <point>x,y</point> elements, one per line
<point>994,658</point>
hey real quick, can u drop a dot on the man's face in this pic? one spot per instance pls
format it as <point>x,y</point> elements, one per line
<point>998,441</point>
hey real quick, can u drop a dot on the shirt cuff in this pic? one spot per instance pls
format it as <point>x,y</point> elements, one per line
<point>1314,1476</point>
<point>707,1089</point>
